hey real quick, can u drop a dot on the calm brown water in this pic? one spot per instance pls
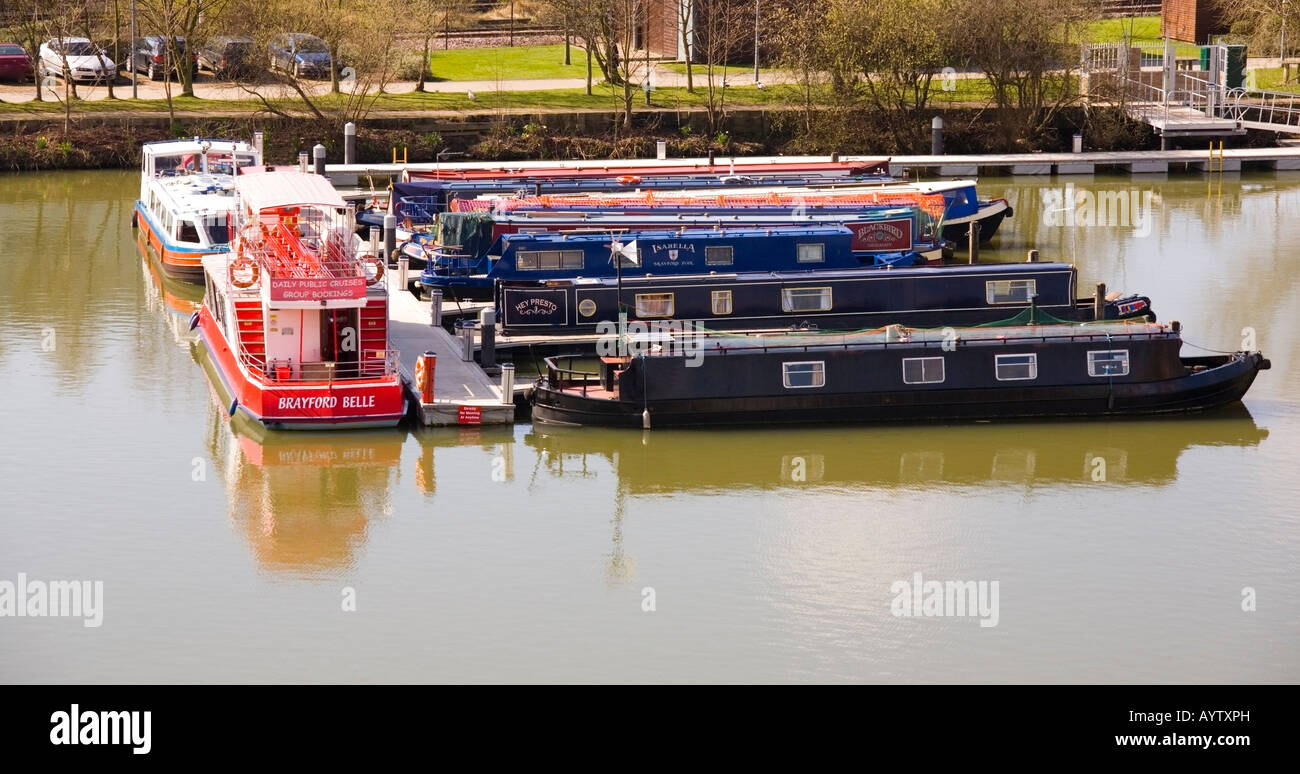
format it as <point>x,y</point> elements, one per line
<point>523,554</point>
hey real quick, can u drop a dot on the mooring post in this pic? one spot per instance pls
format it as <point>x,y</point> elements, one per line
<point>835,157</point>
<point>435,308</point>
<point>974,234</point>
<point>1033,256</point>
<point>936,136</point>
<point>487,323</point>
<point>390,237</point>
<point>349,143</point>
<point>507,384</point>
<point>302,161</point>
<point>661,150</point>
<point>710,157</point>
<point>429,361</point>
<point>466,329</point>
<point>318,154</point>
<point>1078,143</point>
<point>259,142</point>
<point>403,266</point>
<point>1099,302</point>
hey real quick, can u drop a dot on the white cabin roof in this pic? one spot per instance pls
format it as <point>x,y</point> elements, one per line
<point>260,191</point>
<point>195,145</point>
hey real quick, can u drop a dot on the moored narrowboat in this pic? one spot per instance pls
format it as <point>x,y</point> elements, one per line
<point>893,374</point>
<point>919,296</point>
<point>550,256</point>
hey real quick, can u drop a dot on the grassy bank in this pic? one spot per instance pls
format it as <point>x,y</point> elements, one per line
<point>42,142</point>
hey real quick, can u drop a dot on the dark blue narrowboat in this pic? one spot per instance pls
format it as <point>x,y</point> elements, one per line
<point>564,256</point>
<point>826,300</point>
<point>893,374</point>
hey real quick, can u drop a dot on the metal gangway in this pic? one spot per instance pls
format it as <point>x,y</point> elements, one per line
<point>1178,96</point>
<point>1181,96</point>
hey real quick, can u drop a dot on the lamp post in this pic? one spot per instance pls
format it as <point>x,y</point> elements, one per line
<point>755,41</point>
<point>135,93</point>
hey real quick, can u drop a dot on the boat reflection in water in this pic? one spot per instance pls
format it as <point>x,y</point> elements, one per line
<point>303,502</point>
<point>1141,452</point>
<point>162,293</point>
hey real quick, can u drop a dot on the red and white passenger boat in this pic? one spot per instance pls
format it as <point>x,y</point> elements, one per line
<point>294,319</point>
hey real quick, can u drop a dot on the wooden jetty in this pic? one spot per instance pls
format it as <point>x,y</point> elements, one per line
<point>355,179</point>
<point>463,393</point>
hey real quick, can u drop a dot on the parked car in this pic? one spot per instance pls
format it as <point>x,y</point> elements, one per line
<point>151,55</point>
<point>15,65</point>
<point>228,57</point>
<point>76,59</point>
<point>301,55</point>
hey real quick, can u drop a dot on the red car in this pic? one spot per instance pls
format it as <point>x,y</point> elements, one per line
<point>15,65</point>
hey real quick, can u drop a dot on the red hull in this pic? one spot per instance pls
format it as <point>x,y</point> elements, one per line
<point>344,403</point>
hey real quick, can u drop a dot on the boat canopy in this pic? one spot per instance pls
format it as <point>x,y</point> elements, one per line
<point>262,191</point>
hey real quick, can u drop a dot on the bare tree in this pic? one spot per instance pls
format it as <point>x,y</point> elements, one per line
<point>685,18</point>
<point>720,26</point>
<point>180,19</point>
<point>426,17</point>
<point>1028,51</point>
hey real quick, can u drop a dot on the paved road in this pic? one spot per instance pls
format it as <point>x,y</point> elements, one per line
<point>208,88</point>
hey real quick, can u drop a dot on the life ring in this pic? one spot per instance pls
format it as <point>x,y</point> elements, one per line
<point>244,263</point>
<point>378,266</point>
<point>420,375</point>
<point>628,179</point>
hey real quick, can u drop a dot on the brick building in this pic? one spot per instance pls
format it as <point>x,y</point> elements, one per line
<point>1191,21</point>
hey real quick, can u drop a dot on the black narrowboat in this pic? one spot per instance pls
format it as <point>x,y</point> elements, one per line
<point>894,374</point>
<point>920,296</point>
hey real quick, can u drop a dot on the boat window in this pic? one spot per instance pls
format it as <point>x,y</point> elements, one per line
<point>814,252</point>
<point>548,260</point>
<point>218,230</point>
<point>1108,362</point>
<point>654,305</point>
<point>1010,291</point>
<point>188,232</point>
<point>805,299</point>
<point>1015,367</point>
<point>922,370</point>
<point>809,373</point>
<point>718,256</point>
<point>722,302</point>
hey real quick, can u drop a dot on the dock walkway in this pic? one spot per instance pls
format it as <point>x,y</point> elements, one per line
<point>463,393</point>
<point>349,177</point>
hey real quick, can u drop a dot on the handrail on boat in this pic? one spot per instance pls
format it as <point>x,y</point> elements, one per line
<point>287,371</point>
<point>560,378</point>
